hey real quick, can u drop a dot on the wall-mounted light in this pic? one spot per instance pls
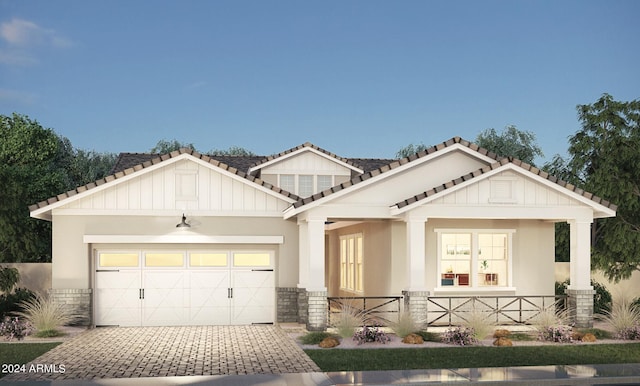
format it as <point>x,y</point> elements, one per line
<point>183,223</point>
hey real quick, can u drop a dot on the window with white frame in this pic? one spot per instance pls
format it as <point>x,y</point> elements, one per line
<point>288,183</point>
<point>351,263</point>
<point>305,185</point>
<point>324,183</point>
<point>474,258</point>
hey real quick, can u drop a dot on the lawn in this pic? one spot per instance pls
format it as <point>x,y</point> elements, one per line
<point>471,357</point>
<point>19,353</point>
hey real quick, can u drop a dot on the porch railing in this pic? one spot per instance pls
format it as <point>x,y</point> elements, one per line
<point>376,310</point>
<point>448,310</point>
<point>501,310</point>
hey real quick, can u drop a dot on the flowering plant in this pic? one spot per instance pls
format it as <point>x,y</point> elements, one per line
<point>629,333</point>
<point>559,334</point>
<point>370,334</point>
<point>463,336</point>
<point>15,328</point>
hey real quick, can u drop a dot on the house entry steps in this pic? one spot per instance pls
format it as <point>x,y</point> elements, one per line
<point>137,352</point>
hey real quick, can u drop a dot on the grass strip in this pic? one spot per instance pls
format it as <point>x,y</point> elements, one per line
<point>471,357</point>
<point>20,353</point>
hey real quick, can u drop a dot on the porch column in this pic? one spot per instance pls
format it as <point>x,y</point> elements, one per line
<point>311,271</point>
<point>415,293</point>
<point>580,292</point>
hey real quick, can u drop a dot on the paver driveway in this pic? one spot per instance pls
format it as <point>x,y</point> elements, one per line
<point>126,352</point>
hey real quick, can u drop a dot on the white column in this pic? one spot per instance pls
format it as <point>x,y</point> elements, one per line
<point>580,252</point>
<point>303,255</point>
<point>311,238</point>
<point>415,254</point>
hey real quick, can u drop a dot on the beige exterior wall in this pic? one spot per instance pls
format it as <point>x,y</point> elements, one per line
<point>33,276</point>
<point>629,288</point>
<point>72,257</point>
<point>385,256</point>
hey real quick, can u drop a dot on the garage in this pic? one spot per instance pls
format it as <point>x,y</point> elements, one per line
<point>184,287</point>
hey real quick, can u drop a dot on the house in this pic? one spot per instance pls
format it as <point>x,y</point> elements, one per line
<point>188,239</point>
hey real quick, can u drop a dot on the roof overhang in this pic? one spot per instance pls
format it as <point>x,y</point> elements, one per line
<point>44,210</point>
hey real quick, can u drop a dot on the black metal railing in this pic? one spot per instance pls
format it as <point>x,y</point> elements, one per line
<point>501,310</point>
<point>375,310</point>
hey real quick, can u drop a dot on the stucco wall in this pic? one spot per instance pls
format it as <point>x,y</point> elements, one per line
<point>34,276</point>
<point>377,261</point>
<point>71,256</point>
<point>624,288</point>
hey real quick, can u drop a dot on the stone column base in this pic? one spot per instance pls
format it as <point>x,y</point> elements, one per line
<point>415,303</point>
<point>317,319</point>
<point>78,301</point>
<point>287,305</point>
<point>580,304</point>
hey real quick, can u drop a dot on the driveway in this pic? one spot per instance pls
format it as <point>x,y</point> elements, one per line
<point>129,352</point>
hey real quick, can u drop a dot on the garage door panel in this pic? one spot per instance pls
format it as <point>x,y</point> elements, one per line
<point>157,293</point>
<point>253,297</point>
<point>209,300</point>
<point>119,298</point>
<point>165,298</point>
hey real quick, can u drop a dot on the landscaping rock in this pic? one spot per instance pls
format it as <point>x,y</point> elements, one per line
<point>589,337</point>
<point>503,342</point>
<point>501,333</point>
<point>576,336</point>
<point>413,339</point>
<point>329,342</point>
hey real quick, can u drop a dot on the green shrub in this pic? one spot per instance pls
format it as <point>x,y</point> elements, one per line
<point>348,320</point>
<point>9,277</point>
<point>10,303</point>
<point>602,300</point>
<point>405,325</point>
<point>479,321</point>
<point>314,337</point>
<point>45,314</point>
<point>429,336</point>
<point>624,319</point>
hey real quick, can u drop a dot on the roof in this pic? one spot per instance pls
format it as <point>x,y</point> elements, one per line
<point>451,142</point>
<point>129,163</point>
<point>304,146</point>
<point>504,161</point>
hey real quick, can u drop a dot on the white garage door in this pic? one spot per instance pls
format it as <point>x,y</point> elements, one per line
<point>175,288</point>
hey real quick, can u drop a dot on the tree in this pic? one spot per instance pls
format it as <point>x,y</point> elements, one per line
<point>511,142</point>
<point>233,150</point>
<point>410,150</point>
<point>604,160</point>
<point>167,146</point>
<point>31,159</point>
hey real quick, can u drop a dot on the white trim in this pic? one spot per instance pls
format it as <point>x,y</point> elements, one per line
<point>181,239</point>
<point>41,213</point>
<point>474,260</point>
<point>300,151</point>
<point>600,210</point>
<point>155,213</point>
<point>291,211</point>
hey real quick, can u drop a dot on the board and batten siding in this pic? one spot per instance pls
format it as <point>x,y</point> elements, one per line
<point>184,185</point>
<point>507,188</point>
<point>307,163</point>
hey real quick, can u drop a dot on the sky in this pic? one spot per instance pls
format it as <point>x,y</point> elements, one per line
<point>357,78</point>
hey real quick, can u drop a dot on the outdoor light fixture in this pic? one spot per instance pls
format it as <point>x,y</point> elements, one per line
<point>183,223</point>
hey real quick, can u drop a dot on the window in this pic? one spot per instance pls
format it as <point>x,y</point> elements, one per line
<point>352,263</point>
<point>164,259</point>
<point>252,259</point>
<point>288,183</point>
<point>324,183</point>
<point>208,259</point>
<point>118,259</point>
<point>474,258</point>
<point>305,185</point>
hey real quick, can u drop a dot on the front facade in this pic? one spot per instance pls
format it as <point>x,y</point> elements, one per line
<point>270,239</point>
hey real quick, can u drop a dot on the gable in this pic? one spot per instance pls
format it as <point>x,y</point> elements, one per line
<point>504,190</point>
<point>372,197</point>
<point>307,163</point>
<point>182,183</point>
